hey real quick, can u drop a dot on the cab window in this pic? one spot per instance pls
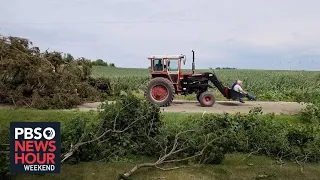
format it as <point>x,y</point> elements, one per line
<point>173,65</point>
<point>158,64</point>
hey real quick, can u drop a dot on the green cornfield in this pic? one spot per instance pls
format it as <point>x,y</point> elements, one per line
<point>267,85</point>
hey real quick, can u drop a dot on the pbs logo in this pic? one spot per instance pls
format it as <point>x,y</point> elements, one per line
<point>47,133</point>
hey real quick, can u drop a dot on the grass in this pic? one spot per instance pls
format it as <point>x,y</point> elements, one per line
<point>267,85</point>
<point>234,167</point>
<point>177,118</point>
<point>33,115</point>
<point>106,71</point>
<point>28,115</point>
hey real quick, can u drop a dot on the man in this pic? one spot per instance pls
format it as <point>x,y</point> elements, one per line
<point>237,87</point>
<point>158,66</point>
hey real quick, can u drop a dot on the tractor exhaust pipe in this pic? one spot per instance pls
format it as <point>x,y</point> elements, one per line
<point>193,64</point>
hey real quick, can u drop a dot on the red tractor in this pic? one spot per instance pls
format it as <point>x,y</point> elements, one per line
<point>168,80</point>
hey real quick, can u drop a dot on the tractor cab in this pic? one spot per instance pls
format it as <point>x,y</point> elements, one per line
<point>167,66</point>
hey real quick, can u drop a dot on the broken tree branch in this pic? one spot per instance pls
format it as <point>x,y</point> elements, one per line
<point>163,159</point>
<point>74,148</point>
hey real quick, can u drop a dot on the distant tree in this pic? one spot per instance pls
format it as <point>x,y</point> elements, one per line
<point>225,68</point>
<point>99,62</point>
<point>112,65</point>
<point>68,57</point>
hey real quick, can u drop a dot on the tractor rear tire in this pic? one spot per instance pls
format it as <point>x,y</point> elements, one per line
<point>207,99</point>
<point>160,91</point>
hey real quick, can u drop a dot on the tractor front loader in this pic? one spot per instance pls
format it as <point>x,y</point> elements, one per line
<point>168,80</point>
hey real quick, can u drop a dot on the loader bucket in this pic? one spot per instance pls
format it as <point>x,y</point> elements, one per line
<point>232,94</point>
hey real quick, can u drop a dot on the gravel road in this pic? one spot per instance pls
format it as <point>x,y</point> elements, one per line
<point>222,107</point>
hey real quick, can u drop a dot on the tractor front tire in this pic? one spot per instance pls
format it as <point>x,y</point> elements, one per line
<point>207,99</point>
<point>198,96</point>
<point>160,91</point>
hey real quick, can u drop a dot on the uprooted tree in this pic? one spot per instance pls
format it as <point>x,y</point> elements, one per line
<point>133,127</point>
<point>180,150</point>
<point>37,79</point>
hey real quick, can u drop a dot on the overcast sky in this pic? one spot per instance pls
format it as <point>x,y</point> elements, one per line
<point>255,34</point>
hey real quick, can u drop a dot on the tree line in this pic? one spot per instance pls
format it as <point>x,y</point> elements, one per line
<point>225,68</point>
<point>99,62</point>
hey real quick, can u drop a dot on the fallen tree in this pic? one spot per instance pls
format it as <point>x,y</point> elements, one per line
<point>42,80</point>
<point>169,157</point>
<point>133,127</point>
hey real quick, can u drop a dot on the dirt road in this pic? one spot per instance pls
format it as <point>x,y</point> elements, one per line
<point>222,107</point>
